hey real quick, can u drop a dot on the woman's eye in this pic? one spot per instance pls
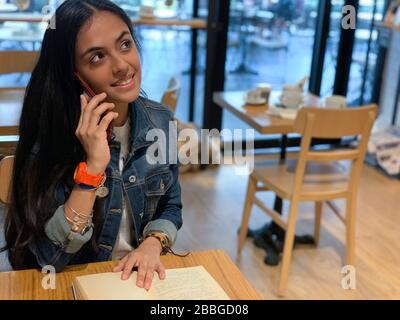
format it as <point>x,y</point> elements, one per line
<point>126,44</point>
<point>96,58</point>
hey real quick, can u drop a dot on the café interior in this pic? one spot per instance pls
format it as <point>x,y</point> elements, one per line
<point>313,87</point>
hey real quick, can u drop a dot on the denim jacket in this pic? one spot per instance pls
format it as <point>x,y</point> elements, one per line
<point>153,191</point>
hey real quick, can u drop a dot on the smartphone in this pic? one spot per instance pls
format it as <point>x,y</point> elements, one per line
<point>91,94</point>
<point>85,86</point>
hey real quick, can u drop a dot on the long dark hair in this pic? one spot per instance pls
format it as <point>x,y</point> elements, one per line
<point>48,150</point>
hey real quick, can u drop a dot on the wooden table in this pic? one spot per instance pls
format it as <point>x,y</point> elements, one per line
<point>257,116</point>
<point>26,284</point>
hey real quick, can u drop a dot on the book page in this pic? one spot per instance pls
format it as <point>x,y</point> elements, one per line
<point>193,283</point>
<point>109,286</point>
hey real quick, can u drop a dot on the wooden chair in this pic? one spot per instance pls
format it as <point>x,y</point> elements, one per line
<point>171,95</point>
<point>317,176</point>
<point>17,61</point>
<point>6,169</point>
<point>12,97</point>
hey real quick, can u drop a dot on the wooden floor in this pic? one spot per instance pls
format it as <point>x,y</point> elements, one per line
<point>213,202</point>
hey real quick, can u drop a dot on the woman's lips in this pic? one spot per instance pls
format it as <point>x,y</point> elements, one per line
<point>124,84</point>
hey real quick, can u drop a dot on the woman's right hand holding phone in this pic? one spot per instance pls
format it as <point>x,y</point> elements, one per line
<point>92,131</point>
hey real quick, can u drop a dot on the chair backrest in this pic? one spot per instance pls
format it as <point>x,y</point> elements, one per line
<point>6,169</point>
<point>14,62</point>
<point>333,124</point>
<point>11,101</point>
<point>17,61</point>
<point>171,95</point>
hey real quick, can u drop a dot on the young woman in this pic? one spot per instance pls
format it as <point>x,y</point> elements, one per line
<point>72,168</point>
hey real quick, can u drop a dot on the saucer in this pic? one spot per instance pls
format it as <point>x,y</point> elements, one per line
<point>281,111</point>
<point>288,113</point>
<point>260,101</point>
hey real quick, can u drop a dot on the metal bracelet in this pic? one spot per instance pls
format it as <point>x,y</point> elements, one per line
<point>80,214</point>
<point>76,225</point>
<point>76,222</point>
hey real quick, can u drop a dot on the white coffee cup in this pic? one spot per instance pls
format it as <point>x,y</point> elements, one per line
<point>265,90</point>
<point>291,99</point>
<point>291,88</point>
<point>146,11</point>
<point>254,96</point>
<point>336,102</point>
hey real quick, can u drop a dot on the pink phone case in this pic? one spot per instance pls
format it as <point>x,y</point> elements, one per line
<point>91,94</point>
<point>85,86</point>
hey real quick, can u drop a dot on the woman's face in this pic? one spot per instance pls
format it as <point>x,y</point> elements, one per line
<point>107,58</point>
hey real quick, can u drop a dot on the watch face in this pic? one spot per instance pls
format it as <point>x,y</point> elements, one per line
<point>161,237</point>
<point>102,192</point>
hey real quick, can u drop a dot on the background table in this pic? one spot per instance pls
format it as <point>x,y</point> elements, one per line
<point>257,116</point>
<point>26,284</point>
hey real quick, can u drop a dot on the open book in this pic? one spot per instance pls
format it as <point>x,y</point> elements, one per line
<point>193,283</point>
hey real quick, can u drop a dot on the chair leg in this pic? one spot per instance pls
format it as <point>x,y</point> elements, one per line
<point>317,222</point>
<point>288,247</point>
<point>350,231</point>
<point>251,189</point>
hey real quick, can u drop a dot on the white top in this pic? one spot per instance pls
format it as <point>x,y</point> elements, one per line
<point>123,244</point>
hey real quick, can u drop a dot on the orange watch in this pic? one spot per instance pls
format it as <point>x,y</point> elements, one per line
<point>82,177</point>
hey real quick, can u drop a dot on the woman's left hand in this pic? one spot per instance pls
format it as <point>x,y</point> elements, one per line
<point>147,258</point>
